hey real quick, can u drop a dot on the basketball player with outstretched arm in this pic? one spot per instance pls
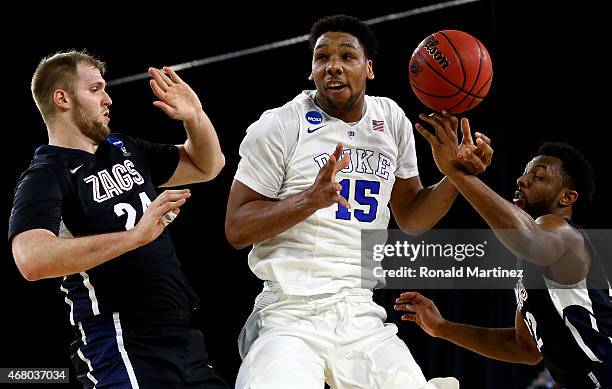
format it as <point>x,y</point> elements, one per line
<point>87,210</point>
<point>564,300</point>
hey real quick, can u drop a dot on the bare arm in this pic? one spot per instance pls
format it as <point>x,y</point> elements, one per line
<point>543,241</point>
<point>252,217</point>
<point>504,344</point>
<point>417,209</point>
<point>40,254</point>
<point>201,158</point>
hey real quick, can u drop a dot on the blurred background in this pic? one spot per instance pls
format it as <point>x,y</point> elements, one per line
<point>550,72</point>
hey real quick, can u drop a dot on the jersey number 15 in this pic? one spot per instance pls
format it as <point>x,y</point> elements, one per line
<point>360,196</point>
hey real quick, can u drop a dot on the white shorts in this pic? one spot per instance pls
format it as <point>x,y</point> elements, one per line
<point>304,341</point>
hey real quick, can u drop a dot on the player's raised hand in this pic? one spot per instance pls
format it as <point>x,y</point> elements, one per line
<point>443,141</point>
<point>422,311</point>
<point>473,158</point>
<point>154,219</point>
<point>176,98</point>
<point>325,190</point>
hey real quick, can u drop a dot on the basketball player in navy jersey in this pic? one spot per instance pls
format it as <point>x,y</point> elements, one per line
<point>564,300</point>
<point>87,210</point>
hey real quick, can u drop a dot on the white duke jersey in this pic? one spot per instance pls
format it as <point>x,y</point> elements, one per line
<point>282,154</point>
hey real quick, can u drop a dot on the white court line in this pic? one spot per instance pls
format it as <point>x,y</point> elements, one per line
<point>290,41</point>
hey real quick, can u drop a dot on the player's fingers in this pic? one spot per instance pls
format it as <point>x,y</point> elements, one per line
<point>466,134</point>
<point>487,150</point>
<point>342,201</point>
<point>483,137</point>
<point>435,123</point>
<point>338,151</point>
<point>327,171</point>
<point>344,162</point>
<point>445,122</point>
<point>409,317</point>
<point>170,205</point>
<point>172,74</point>
<point>156,74</point>
<point>404,307</point>
<point>429,137</point>
<point>453,119</point>
<point>172,195</point>
<point>406,296</point>
<point>165,77</point>
<point>159,92</point>
<point>167,109</point>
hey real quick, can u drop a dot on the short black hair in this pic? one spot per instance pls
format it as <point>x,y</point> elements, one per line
<point>350,25</point>
<point>576,167</point>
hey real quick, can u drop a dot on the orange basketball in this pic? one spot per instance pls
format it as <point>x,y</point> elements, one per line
<point>451,70</point>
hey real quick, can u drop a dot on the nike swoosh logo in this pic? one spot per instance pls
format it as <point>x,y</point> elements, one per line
<point>76,168</point>
<point>311,130</point>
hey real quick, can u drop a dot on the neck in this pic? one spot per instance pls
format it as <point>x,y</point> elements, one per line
<point>352,111</point>
<point>66,134</point>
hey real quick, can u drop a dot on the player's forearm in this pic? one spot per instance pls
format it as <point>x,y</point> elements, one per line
<point>428,206</point>
<point>202,145</point>
<point>496,343</point>
<point>40,255</point>
<point>513,226</point>
<point>259,220</point>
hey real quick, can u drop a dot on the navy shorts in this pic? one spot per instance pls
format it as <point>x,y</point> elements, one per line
<point>161,350</point>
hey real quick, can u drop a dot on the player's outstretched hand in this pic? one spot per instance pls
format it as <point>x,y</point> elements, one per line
<point>422,311</point>
<point>155,219</point>
<point>474,158</point>
<point>176,98</point>
<point>325,190</point>
<point>443,141</point>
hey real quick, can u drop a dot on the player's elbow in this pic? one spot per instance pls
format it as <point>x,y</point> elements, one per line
<point>413,229</point>
<point>235,236</point>
<point>528,353</point>
<point>532,358</point>
<point>216,168</point>
<point>26,264</point>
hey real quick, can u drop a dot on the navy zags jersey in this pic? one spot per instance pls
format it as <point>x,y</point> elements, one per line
<point>74,193</point>
<point>571,324</point>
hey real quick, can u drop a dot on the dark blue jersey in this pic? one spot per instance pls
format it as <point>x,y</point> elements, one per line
<point>571,324</point>
<point>75,193</point>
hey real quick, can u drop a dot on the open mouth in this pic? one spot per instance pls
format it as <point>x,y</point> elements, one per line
<point>519,197</point>
<point>335,85</point>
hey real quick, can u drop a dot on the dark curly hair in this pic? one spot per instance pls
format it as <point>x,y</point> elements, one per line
<point>577,169</point>
<point>350,25</point>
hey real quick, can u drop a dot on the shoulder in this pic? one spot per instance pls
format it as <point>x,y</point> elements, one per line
<point>386,104</point>
<point>559,225</point>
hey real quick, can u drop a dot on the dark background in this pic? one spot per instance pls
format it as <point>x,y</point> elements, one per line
<point>549,71</point>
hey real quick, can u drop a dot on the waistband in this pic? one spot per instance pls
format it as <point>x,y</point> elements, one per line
<point>154,318</point>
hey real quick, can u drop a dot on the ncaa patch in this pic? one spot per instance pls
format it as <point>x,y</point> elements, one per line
<point>119,144</point>
<point>314,117</point>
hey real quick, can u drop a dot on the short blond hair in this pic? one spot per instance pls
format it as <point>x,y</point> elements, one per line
<point>59,71</point>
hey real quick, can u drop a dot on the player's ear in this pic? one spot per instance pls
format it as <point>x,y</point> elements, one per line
<point>370,69</point>
<point>62,99</point>
<point>310,76</point>
<point>568,197</point>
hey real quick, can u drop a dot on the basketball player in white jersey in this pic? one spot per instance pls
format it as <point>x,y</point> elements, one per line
<point>303,205</point>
